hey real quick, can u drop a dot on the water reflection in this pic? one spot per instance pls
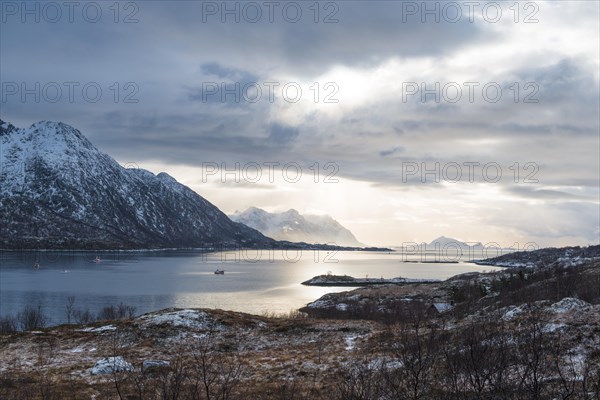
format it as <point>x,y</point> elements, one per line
<point>254,281</point>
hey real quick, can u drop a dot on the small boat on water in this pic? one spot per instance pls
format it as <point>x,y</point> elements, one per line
<point>219,272</point>
<point>96,260</point>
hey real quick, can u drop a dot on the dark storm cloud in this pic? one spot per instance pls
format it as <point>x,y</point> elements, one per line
<point>366,33</point>
<point>360,33</point>
<point>192,139</point>
<point>167,35</point>
<point>369,32</point>
<point>171,36</point>
<point>244,136</point>
<point>172,52</point>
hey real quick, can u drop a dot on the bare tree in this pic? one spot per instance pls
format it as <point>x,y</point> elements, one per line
<point>416,349</point>
<point>361,380</point>
<point>565,367</point>
<point>533,357</point>
<point>172,381</point>
<point>484,358</point>
<point>70,308</point>
<point>32,318</point>
<point>83,316</point>
<point>111,312</point>
<point>8,324</point>
<point>218,372</point>
<point>590,378</point>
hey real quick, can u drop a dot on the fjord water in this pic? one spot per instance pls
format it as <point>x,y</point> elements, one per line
<point>255,281</point>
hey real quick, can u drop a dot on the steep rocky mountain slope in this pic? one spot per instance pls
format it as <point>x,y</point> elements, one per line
<point>58,191</point>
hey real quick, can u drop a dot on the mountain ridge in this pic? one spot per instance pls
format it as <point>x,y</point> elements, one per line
<point>292,226</point>
<point>57,190</point>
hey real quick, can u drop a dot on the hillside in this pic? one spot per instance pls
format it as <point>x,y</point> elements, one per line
<point>58,191</point>
<point>521,333</point>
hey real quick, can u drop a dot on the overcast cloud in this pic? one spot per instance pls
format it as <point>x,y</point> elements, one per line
<point>371,58</point>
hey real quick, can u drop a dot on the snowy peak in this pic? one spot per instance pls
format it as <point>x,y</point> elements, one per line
<point>55,134</point>
<point>254,211</point>
<point>292,226</point>
<point>51,142</point>
<point>167,179</point>
<point>171,182</point>
<point>58,191</point>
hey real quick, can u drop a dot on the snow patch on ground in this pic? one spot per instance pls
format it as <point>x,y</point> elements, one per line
<point>514,264</point>
<point>568,304</point>
<point>110,365</point>
<point>443,307</point>
<point>512,313</point>
<point>182,318</point>
<point>552,327</point>
<point>100,329</point>
<point>320,304</point>
<point>77,350</point>
<point>349,340</point>
<point>574,261</point>
<point>575,362</point>
<point>82,349</point>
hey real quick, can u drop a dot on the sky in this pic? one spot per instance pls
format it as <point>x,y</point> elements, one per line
<point>403,120</point>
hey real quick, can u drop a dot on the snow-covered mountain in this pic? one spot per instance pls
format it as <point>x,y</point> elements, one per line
<point>444,242</point>
<point>58,191</point>
<point>293,227</point>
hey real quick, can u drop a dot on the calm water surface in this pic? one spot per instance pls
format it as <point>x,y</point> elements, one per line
<point>254,282</point>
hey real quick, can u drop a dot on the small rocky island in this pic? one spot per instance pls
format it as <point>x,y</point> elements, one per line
<point>345,280</point>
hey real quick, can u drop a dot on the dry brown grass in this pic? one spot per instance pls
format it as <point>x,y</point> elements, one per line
<point>273,351</point>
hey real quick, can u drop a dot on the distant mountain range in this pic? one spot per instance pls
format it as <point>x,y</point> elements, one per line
<point>444,242</point>
<point>294,227</point>
<point>58,191</point>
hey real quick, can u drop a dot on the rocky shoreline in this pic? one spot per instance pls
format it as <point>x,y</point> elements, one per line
<point>345,280</point>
